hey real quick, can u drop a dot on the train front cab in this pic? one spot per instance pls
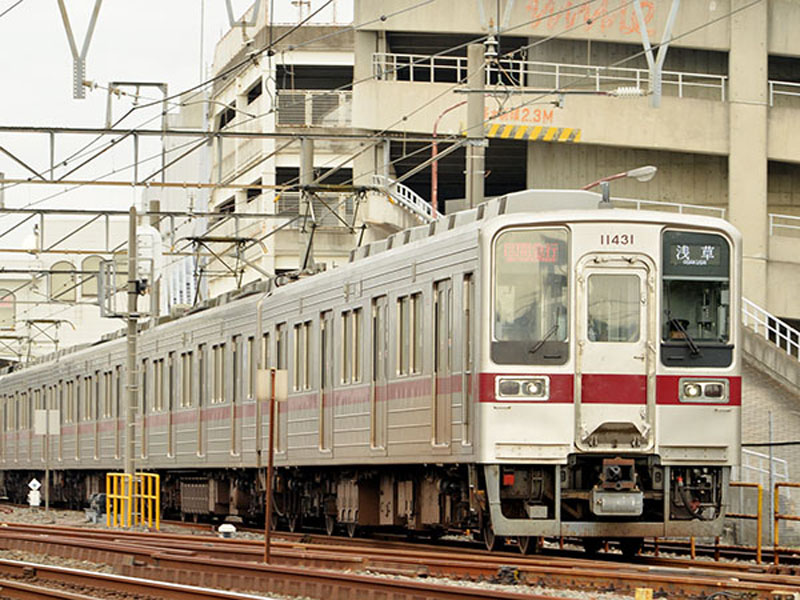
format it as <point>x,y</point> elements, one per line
<point>610,396</point>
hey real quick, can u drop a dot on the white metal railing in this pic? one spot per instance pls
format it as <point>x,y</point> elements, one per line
<point>314,108</point>
<point>771,328</point>
<point>673,207</point>
<point>782,88</point>
<point>405,197</point>
<point>787,222</point>
<point>524,73</point>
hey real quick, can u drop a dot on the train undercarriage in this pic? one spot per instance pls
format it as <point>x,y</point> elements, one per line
<point>593,497</point>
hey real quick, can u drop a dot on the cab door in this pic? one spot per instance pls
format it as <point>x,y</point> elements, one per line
<point>615,362</point>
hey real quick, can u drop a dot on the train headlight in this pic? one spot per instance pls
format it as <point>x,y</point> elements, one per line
<point>703,390</point>
<point>523,388</point>
<point>692,390</point>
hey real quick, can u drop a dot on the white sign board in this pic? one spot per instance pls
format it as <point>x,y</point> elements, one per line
<point>34,484</point>
<point>41,425</point>
<point>264,385</point>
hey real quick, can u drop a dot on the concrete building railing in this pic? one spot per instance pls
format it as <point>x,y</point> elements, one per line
<point>782,88</point>
<point>771,328</point>
<point>405,197</point>
<point>693,209</point>
<point>526,74</point>
<point>314,108</point>
<point>785,224</point>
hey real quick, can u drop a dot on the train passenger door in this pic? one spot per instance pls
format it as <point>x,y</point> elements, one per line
<point>442,362</point>
<point>326,382</point>
<point>615,361</point>
<point>379,393</point>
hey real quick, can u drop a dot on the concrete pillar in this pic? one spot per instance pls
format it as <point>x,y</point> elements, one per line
<point>365,44</point>
<point>747,159</point>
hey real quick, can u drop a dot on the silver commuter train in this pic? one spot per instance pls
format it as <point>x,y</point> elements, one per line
<point>538,366</point>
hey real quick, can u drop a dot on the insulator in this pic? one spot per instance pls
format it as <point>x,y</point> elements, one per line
<point>628,92</point>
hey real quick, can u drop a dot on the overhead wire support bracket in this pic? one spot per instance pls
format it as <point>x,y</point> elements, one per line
<point>79,60</point>
<point>656,64</point>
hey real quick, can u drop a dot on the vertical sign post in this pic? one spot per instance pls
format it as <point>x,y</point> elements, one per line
<point>273,384</point>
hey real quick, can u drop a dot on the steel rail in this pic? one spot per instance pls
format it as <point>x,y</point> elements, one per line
<point>261,578</point>
<point>195,560</point>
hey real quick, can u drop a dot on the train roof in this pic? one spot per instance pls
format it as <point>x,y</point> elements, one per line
<point>577,204</point>
<point>580,205</point>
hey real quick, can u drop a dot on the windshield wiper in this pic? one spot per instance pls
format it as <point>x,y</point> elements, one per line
<point>550,333</point>
<point>676,323</point>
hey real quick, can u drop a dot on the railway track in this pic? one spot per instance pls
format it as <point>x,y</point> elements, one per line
<point>298,562</point>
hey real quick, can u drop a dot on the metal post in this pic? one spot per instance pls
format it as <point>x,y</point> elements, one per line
<point>771,481</point>
<point>476,140</point>
<point>2,191</point>
<point>270,466</point>
<point>46,453</point>
<point>306,179</point>
<point>130,375</point>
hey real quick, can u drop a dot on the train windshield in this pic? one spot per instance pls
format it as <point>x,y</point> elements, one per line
<point>530,296</point>
<point>695,316</point>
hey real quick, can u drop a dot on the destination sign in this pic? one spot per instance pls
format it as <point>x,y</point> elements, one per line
<point>695,255</point>
<point>534,252</point>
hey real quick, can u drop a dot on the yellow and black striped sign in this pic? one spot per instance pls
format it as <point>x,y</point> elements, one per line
<point>533,133</point>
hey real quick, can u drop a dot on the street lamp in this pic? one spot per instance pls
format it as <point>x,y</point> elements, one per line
<point>642,174</point>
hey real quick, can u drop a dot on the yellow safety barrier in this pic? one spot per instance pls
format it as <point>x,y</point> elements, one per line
<point>148,494</point>
<point>757,516</point>
<point>118,499</point>
<point>777,517</point>
<point>133,500</point>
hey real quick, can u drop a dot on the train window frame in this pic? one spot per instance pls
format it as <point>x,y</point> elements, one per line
<point>158,385</point>
<point>545,350</point>
<point>681,345</point>
<point>187,379</point>
<point>252,368</point>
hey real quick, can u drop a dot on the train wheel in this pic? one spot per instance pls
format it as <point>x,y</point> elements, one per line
<point>631,547</point>
<point>529,544</point>
<point>491,541</point>
<point>592,545</point>
<point>352,530</point>
<point>330,524</point>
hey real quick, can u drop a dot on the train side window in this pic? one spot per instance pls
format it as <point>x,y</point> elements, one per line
<point>265,350</point>
<point>403,341</point>
<point>252,365</point>
<point>218,387</point>
<point>108,395</point>
<point>202,374</point>
<point>357,345</point>
<point>143,388</point>
<point>87,398</point>
<point>347,346</point>
<point>236,367</point>
<point>187,379</point>
<point>280,346</point>
<point>302,335</point>
<point>158,385</point>
<point>171,382</point>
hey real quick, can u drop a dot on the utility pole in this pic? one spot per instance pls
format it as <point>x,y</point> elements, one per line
<point>476,138</point>
<point>306,207</point>
<point>132,316</point>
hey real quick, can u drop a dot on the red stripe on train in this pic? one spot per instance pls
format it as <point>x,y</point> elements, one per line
<point>612,389</point>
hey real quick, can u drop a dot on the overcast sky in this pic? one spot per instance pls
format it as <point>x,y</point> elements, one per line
<point>134,40</point>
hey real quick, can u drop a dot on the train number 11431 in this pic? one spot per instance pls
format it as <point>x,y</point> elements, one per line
<point>616,239</point>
